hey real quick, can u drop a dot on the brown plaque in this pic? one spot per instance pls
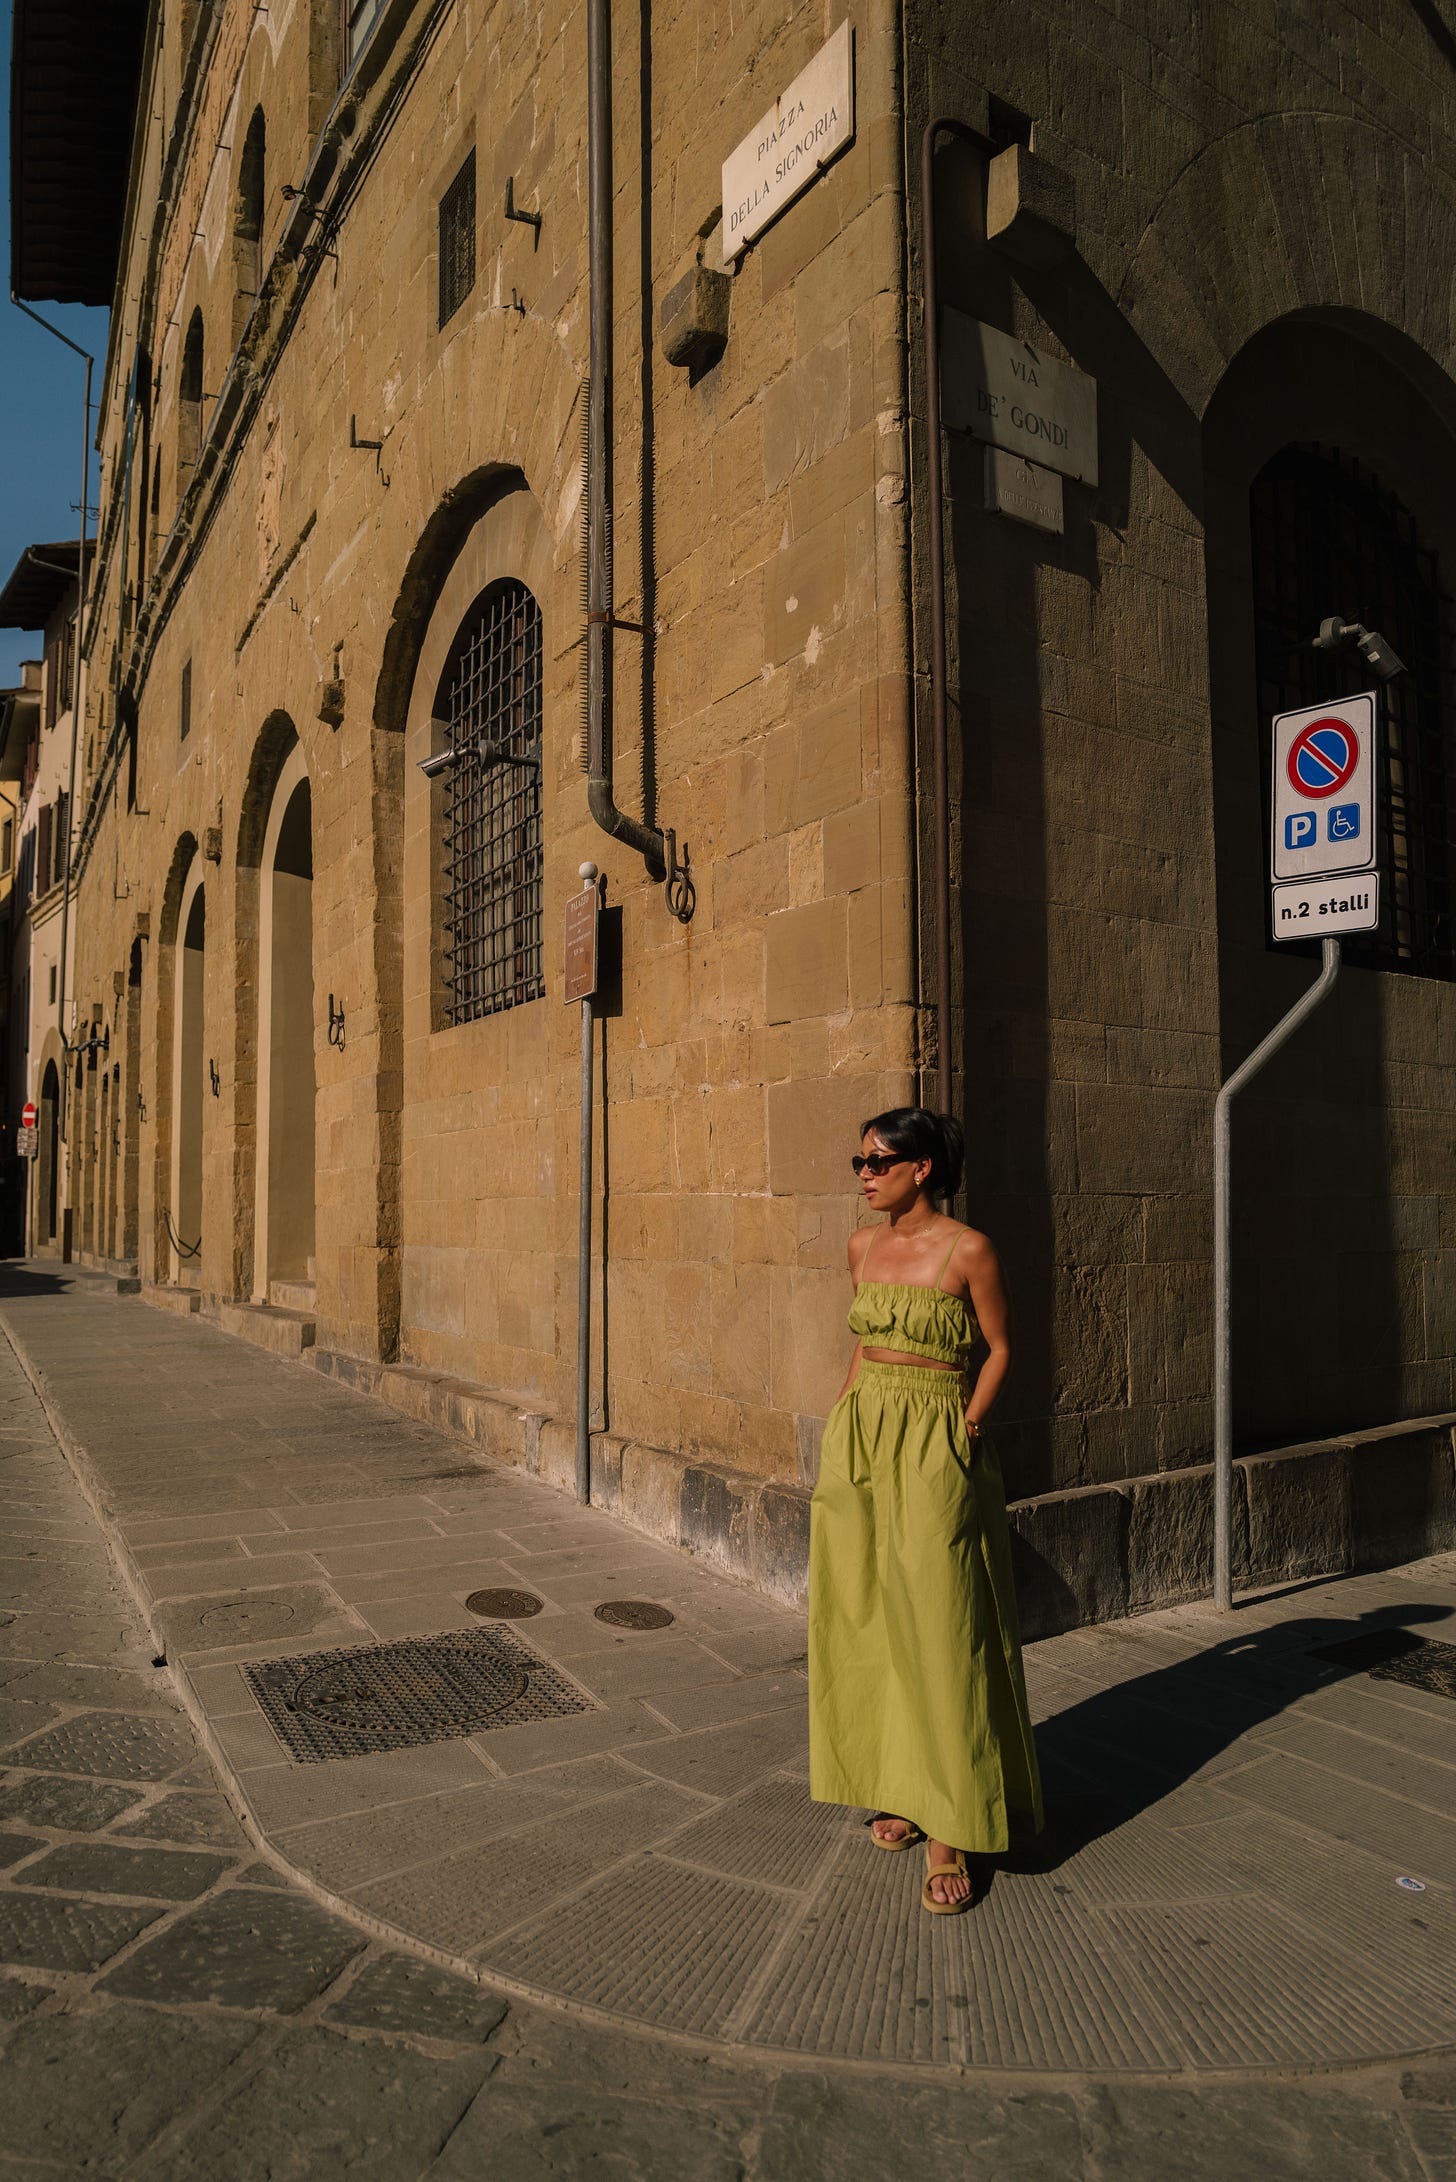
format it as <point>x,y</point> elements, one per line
<point>581,944</point>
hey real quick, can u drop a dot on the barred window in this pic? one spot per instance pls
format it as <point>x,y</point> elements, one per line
<point>488,809</point>
<point>457,241</point>
<point>1327,538</point>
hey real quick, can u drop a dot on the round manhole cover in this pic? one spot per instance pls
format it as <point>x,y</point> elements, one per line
<point>345,1695</point>
<point>634,1614</point>
<point>504,1605</point>
<point>244,1618</point>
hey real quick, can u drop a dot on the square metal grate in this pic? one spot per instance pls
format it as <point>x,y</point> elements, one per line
<point>1394,1655</point>
<point>397,1696</point>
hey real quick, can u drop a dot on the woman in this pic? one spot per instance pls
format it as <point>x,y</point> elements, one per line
<point>917,1706</point>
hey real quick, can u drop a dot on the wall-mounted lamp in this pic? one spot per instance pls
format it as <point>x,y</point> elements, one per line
<point>215,1079</point>
<point>336,1025</point>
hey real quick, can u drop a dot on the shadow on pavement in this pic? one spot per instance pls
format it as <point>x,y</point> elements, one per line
<point>22,1278</point>
<point>1122,1750</point>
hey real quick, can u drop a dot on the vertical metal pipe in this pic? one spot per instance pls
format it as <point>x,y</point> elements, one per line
<point>601,795</point>
<point>935,525</point>
<point>583,1268</point>
<point>1223,1425</point>
<point>588,874</point>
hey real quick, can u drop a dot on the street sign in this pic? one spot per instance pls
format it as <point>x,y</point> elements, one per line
<point>581,944</point>
<point>28,1115</point>
<point>1323,908</point>
<point>27,1140</point>
<point>1324,795</point>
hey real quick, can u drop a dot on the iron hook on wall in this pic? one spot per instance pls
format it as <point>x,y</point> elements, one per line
<point>215,1079</point>
<point>336,1025</point>
<point>513,211</point>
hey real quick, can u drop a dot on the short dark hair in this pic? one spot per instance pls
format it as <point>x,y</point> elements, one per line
<point>916,1133</point>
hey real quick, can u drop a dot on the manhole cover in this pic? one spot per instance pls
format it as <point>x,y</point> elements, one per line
<point>397,1696</point>
<point>634,1614</point>
<point>504,1605</point>
<point>245,1618</point>
<point>1394,1655</point>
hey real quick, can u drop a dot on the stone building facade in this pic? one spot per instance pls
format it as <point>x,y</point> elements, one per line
<point>342,447</point>
<point>36,759</point>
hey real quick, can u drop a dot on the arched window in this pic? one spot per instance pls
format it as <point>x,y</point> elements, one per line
<point>1327,538</point>
<point>189,403</point>
<point>248,223</point>
<point>487,810</point>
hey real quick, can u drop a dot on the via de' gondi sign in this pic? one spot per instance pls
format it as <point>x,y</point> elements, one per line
<point>1017,397</point>
<point>808,125</point>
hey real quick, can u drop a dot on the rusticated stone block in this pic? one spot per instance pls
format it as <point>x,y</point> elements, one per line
<point>1069,1554</point>
<point>782,1558</point>
<point>1170,1536</point>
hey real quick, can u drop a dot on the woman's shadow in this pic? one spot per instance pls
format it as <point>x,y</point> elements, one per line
<point>1121,1750</point>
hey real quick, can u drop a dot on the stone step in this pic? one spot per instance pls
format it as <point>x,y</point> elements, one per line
<point>185,1301</point>
<point>284,1333</point>
<point>292,1295</point>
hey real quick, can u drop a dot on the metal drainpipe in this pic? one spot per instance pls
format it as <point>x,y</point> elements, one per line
<point>649,841</point>
<point>935,517</point>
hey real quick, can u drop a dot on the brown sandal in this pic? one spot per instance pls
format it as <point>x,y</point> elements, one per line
<point>907,1840</point>
<point>944,1871</point>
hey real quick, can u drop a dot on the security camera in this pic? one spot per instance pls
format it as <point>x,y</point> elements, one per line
<point>1380,657</point>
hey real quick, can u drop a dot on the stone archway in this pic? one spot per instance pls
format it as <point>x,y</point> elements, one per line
<point>188,1064</point>
<point>48,1177</point>
<point>130,1099</point>
<point>285,1189</point>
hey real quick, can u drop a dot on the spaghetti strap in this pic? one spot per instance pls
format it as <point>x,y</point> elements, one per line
<point>875,1233</point>
<point>940,1276</point>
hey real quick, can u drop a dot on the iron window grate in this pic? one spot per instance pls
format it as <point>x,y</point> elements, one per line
<point>457,241</point>
<point>1327,538</point>
<point>398,1696</point>
<point>491,809</point>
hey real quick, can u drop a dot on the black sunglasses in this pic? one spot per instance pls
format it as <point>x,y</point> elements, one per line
<point>876,1162</point>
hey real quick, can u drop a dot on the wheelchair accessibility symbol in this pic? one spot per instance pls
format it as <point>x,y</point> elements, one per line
<point>1344,821</point>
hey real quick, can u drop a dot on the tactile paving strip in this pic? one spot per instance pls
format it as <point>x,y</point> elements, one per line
<point>396,1696</point>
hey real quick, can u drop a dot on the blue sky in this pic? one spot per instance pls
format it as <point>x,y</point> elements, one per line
<point>41,389</point>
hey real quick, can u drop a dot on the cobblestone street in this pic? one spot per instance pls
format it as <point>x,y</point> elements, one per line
<point>175,2005</point>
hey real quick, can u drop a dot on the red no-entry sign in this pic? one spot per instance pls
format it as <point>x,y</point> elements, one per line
<point>28,1115</point>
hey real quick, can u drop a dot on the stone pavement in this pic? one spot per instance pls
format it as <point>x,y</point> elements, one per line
<point>753,1993</point>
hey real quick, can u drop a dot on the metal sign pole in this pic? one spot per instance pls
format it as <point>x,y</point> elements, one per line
<point>1223,1422</point>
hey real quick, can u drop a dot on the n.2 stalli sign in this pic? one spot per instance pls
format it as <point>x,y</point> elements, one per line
<point>1322,844</point>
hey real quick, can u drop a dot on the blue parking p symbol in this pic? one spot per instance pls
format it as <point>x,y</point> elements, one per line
<point>1299,830</point>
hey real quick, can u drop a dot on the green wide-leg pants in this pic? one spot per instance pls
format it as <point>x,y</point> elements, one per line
<point>917,1702</point>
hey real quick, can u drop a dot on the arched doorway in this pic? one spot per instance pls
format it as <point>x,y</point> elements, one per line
<point>187,1090</point>
<point>47,1195</point>
<point>284,1195</point>
<point>101,1193</point>
<point>130,1101</point>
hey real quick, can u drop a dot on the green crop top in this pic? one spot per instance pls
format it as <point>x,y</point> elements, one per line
<point>918,1321</point>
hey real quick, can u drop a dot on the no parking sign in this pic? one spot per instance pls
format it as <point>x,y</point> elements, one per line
<point>1322,854</point>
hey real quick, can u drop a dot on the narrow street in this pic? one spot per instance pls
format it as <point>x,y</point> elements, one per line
<point>175,2005</point>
